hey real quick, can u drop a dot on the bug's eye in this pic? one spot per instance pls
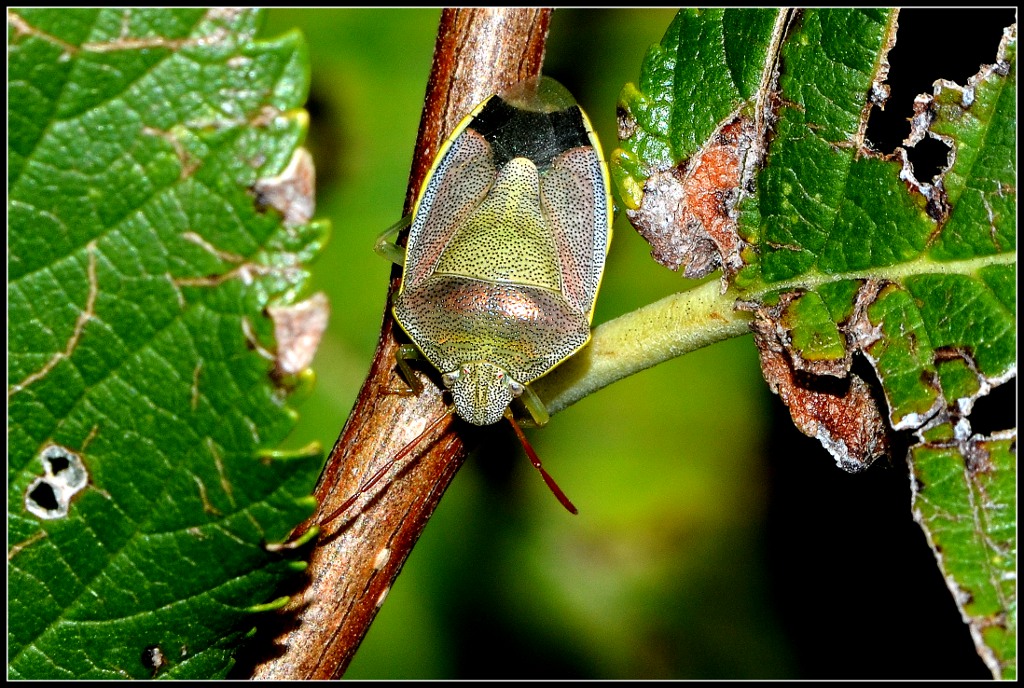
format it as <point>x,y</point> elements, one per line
<point>449,378</point>
<point>516,388</point>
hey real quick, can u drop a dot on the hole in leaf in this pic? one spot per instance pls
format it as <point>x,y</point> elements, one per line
<point>44,497</point>
<point>995,411</point>
<point>928,158</point>
<point>58,464</point>
<point>886,130</point>
<point>66,467</point>
<point>933,44</point>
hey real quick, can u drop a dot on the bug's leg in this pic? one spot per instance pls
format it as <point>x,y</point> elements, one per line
<point>385,247</point>
<point>407,352</point>
<point>535,460</point>
<point>538,411</point>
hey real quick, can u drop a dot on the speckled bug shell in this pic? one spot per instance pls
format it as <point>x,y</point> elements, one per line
<point>507,247</point>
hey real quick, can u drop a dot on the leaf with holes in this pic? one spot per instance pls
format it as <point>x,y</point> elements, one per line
<point>841,253</point>
<point>144,494</point>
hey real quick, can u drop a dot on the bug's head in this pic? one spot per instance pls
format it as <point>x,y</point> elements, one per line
<point>482,391</point>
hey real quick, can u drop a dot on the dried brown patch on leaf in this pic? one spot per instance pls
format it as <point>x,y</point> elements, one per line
<point>860,330</point>
<point>292,192</point>
<point>688,211</point>
<point>298,329</point>
<point>840,412</point>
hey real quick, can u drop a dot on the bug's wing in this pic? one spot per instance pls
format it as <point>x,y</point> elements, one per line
<point>576,204</point>
<point>456,185</point>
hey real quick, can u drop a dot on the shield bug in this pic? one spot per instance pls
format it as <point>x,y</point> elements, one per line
<point>506,251</point>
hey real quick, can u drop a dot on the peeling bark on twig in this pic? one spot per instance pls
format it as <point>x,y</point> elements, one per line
<point>357,558</point>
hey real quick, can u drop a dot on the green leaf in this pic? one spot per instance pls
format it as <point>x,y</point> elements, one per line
<point>838,250</point>
<point>964,498</point>
<point>142,256</point>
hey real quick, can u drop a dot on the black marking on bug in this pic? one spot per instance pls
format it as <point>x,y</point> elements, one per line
<point>514,132</point>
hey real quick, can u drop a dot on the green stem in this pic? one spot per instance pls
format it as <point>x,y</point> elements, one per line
<point>673,326</point>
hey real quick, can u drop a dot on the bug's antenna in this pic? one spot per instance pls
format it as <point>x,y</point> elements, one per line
<point>383,470</point>
<point>535,460</point>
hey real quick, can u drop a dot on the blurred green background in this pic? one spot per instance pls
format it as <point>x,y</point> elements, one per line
<point>662,574</point>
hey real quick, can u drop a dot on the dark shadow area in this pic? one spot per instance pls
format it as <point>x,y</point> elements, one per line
<point>851,575</point>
